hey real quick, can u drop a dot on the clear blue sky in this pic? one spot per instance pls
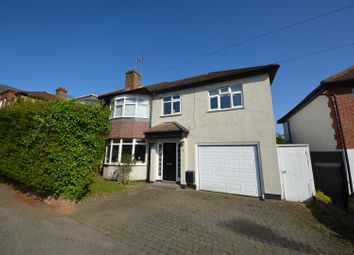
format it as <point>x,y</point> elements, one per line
<point>88,45</point>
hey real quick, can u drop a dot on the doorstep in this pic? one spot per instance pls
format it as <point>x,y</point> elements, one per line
<point>166,185</point>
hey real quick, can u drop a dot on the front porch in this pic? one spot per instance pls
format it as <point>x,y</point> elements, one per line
<point>167,153</point>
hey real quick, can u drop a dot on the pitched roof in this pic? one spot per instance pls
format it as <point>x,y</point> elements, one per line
<point>167,127</point>
<point>4,87</point>
<point>338,79</point>
<point>40,94</point>
<point>345,75</point>
<point>201,80</point>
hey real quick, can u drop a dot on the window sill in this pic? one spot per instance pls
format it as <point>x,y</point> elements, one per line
<point>227,109</point>
<point>116,164</point>
<point>130,117</point>
<point>170,115</point>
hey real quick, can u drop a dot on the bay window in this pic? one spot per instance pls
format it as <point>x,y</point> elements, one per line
<point>226,98</point>
<point>116,148</point>
<point>130,106</point>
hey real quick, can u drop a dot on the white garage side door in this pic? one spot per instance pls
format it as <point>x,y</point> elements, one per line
<point>229,168</point>
<point>296,173</point>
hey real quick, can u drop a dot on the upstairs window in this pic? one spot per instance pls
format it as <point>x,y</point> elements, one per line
<point>171,105</point>
<point>226,98</point>
<point>129,106</point>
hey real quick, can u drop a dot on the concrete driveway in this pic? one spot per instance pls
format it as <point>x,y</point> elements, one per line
<point>156,220</point>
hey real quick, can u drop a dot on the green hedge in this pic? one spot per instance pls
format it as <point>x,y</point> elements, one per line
<point>53,147</point>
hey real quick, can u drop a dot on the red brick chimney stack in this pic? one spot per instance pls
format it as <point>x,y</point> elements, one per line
<point>61,93</point>
<point>132,80</point>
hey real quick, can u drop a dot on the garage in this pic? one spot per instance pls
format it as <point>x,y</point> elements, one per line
<point>229,168</point>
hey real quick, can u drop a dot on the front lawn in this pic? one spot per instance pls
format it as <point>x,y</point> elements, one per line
<point>101,186</point>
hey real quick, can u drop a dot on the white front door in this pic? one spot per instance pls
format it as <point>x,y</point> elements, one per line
<point>229,168</point>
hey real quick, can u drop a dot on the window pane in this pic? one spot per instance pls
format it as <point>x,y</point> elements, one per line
<point>236,88</point>
<point>224,90</point>
<point>237,99</point>
<point>127,140</point>
<point>129,110</point>
<point>108,152</point>
<point>140,153</point>
<point>142,101</point>
<point>165,99</point>
<point>166,108</point>
<point>176,107</point>
<point>115,151</point>
<point>116,140</point>
<point>213,92</point>
<point>127,150</point>
<point>142,111</point>
<point>139,140</point>
<point>119,111</point>
<point>213,103</point>
<point>225,101</point>
<point>119,102</point>
<point>130,100</point>
<point>111,108</point>
<point>175,97</point>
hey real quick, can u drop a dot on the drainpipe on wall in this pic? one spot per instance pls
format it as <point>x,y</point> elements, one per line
<point>342,140</point>
<point>148,141</point>
<point>289,131</point>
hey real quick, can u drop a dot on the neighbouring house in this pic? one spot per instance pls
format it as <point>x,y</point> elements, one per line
<point>9,94</point>
<point>213,131</point>
<point>325,120</point>
<point>88,99</point>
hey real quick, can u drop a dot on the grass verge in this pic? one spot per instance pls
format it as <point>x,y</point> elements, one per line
<point>100,186</point>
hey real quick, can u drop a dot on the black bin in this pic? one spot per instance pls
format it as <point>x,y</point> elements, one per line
<point>190,177</point>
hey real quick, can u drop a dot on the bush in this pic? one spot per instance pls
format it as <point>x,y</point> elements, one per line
<point>54,146</point>
<point>124,170</point>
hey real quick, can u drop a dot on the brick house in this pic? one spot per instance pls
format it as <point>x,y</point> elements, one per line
<point>325,121</point>
<point>9,94</point>
<point>213,131</point>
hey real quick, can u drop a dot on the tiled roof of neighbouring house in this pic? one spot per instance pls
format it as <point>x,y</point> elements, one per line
<point>40,94</point>
<point>341,78</point>
<point>201,80</point>
<point>347,74</point>
<point>4,87</point>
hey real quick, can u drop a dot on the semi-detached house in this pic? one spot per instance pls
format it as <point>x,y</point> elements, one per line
<point>213,131</point>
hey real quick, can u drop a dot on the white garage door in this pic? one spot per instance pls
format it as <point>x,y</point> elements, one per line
<point>230,169</point>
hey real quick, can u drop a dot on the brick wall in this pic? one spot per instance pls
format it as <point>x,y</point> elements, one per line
<point>128,128</point>
<point>345,100</point>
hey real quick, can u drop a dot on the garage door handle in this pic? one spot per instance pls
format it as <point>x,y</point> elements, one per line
<point>169,164</point>
<point>284,172</point>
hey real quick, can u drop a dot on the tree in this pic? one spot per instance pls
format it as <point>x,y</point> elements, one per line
<point>280,139</point>
<point>124,169</point>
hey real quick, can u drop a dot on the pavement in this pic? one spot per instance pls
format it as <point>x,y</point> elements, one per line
<point>156,220</point>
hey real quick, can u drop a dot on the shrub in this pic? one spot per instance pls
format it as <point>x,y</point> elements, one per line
<point>124,170</point>
<point>54,146</point>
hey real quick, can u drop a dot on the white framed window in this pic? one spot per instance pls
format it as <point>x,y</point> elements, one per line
<point>171,105</point>
<point>129,106</point>
<point>226,98</point>
<point>116,148</point>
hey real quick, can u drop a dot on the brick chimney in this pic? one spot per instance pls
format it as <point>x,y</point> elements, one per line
<point>132,80</point>
<point>61,93</point>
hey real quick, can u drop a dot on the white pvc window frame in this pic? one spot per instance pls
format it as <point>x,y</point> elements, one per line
<point>226,91</point>
<point>173,100</point>
<point>139,101</point>
<point>121,142</point>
